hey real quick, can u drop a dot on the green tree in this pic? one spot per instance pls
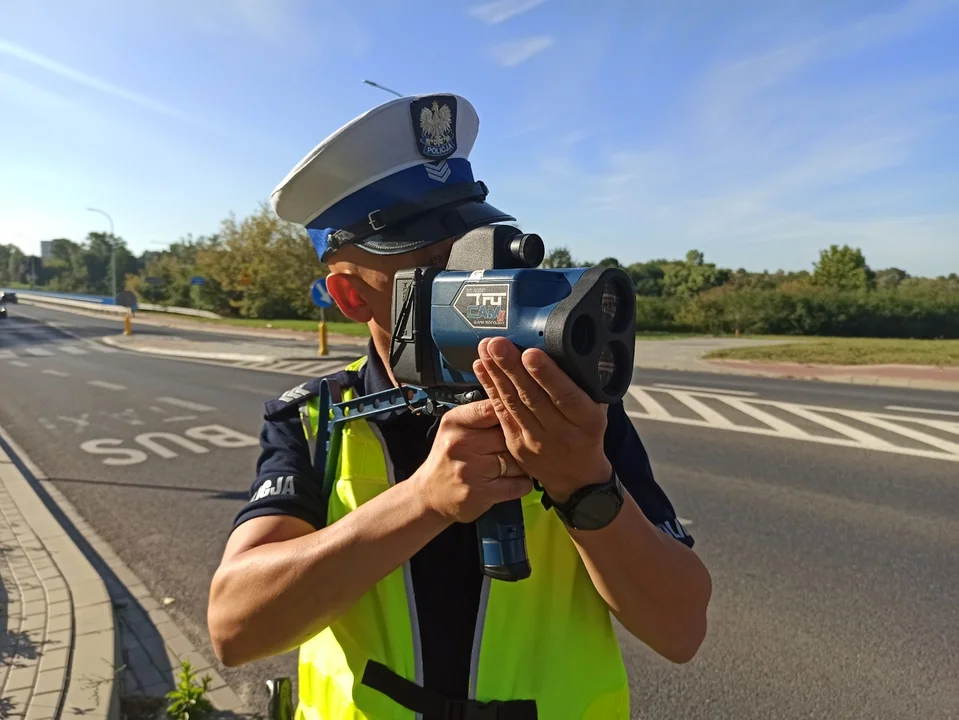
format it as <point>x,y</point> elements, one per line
<point>559,258</point>
<point>609,262</point>
<point>692,277</point>
<point>647,277</point>
<point>890,278</point>
<point>843,268</point>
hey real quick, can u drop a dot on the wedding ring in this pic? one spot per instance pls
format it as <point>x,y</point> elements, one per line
<point>502,465</point>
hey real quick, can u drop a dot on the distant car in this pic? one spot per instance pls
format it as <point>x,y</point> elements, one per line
<point>8,297</point>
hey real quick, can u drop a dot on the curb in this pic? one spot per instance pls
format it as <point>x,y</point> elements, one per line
<point>66,607</point>
<point>218,357</point>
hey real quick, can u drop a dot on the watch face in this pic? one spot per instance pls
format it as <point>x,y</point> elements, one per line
<point>595,511</point>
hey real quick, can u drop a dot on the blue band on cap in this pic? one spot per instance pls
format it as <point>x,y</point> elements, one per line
<point>407,185</point>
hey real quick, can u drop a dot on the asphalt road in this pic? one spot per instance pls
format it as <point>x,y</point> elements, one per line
<point>836,569</point>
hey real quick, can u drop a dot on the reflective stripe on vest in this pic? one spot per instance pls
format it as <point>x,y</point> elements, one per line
<point>548,638</point>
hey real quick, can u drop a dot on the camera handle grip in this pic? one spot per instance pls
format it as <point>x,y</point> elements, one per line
<point>502,542</point>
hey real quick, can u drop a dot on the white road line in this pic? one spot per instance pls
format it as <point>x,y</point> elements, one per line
<point>38,352</point>
<point>300,366</point>
<point>650,405</point>
<point>669,386</point>
<point>73,350</point>
<point>700,408</point>
<point>7,354</point>
<point>922,437</point>
<point>101,348</point>
<point>106,385</point>
<point>863,438</point>
<point>900,408</point>
<point>47,424</point>
<point>19,363</point>
<point>784,428</point>
<point>185,404</point>
<point>56,373</point>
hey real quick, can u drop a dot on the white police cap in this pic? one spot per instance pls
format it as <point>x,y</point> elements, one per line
<point>395,179</point>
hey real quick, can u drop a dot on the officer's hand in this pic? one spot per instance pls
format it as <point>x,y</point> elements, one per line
<point>553,428</point>
<point>461,477</point>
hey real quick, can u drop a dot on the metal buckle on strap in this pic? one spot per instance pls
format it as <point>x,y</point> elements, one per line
<point>376,220</point>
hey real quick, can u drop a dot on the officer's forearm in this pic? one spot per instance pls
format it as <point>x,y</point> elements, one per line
<point>272,598</point>
<point>656,586</point>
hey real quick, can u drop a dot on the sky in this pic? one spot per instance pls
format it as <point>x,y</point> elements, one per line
<point>756,132</point>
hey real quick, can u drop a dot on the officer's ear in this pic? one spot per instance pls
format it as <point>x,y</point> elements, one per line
<point>349,291</point>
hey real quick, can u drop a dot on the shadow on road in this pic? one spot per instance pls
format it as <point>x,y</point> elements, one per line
<point>19,331</point>
<point>211,493</point>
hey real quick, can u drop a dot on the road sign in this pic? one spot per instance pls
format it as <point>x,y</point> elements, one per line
<point>197,280</point>
<point>320,295</point>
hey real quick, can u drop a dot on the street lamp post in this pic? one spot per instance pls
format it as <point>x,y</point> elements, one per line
<point>377,85</point>
<point>113,247</point>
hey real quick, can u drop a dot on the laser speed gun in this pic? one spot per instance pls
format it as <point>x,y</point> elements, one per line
<point>583,318</point>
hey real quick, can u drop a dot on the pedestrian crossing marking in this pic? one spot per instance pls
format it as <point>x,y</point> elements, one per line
<point>836,420</point>
<point>7,355</point>
<point>73,350</point>
<point>38,352</point>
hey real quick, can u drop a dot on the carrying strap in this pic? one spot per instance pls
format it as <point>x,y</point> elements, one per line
<point>434,705</point>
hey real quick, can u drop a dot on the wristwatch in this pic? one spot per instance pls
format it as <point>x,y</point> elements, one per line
<point>592,507</point>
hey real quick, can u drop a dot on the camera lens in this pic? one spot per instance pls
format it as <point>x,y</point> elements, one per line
<point>614,306</point>
<point>528,249</point>
<point>611,368</point>
<point>606,366</point>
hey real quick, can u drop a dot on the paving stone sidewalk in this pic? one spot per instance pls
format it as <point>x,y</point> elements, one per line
<point>58,653</point>
<point>80,634</point>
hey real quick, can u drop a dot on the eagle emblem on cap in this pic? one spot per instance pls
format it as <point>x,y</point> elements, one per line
<point>434,119</point>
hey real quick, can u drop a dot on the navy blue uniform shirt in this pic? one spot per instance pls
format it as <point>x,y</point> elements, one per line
<point>446,575</point>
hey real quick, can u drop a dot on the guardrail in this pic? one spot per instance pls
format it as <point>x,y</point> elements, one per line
<point>79,297</point>
<point>178,310</point>
<point>30,297</point>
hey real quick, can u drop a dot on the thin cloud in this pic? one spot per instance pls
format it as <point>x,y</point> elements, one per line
<point>90,81</point>
<point>510,54</point>
<point>501,10</point>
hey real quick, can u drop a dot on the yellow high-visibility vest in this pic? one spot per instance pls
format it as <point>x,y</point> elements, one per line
<point>548,638</point>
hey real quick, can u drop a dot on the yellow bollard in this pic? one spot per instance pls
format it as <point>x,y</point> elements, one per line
<point>322,349</point>
<point>127,325</point>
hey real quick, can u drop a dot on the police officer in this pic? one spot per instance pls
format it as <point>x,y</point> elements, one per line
<point>371,568</point>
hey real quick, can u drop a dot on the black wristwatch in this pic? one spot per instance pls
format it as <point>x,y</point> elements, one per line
<point>591,507</point>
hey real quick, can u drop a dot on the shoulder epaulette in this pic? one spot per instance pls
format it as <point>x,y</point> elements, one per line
<point>291,400</point>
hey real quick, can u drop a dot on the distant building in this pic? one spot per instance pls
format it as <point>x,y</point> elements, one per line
<point>46,249</point>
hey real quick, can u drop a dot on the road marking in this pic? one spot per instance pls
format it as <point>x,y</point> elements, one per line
<point>785,428</point>
<point>651,405</point>
<point>73,350</point>
<point>19,363</point>
<point>106,385</point>
<point>834,419</point>
<point>81,422</point>
<point>162,444</point>
<point>185,404</point>
<point>100,348</point>
<point>56,373</point>
<point>700,408</point>
<point>7,354</point>
<point>38,352</point>
<point>669,386</point>
<point>900,408</point>
<point>47,424</point>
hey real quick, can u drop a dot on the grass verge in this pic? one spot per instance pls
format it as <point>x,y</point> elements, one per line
<point>849,351</point>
